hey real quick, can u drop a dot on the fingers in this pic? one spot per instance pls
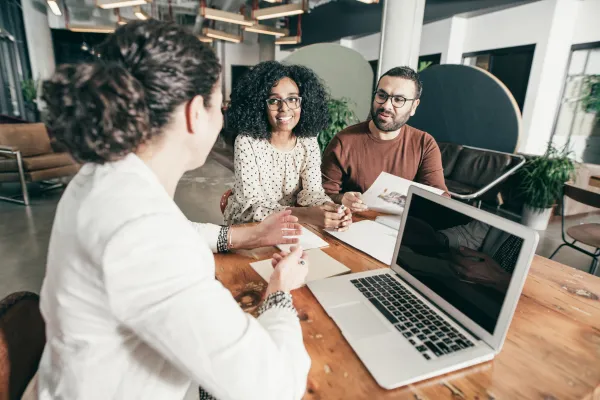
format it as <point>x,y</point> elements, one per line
<point>290,240</point>
<point>292,230</point>
<point>334,216</point>
<point>289,218</point>
<point>333,208</point>
<point>465,251</point>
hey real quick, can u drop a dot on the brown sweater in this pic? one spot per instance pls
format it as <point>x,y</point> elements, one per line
<point>355,158</point>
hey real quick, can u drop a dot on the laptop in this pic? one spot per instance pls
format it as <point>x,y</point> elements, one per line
<point>446,302</point>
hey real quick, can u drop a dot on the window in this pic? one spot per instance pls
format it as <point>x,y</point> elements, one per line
<point>511,65</point>
<point>578,120</point>
<point>429,60</point>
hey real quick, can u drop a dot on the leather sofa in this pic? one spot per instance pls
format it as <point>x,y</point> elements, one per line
<point>475,175</point>
<point>27,155</point>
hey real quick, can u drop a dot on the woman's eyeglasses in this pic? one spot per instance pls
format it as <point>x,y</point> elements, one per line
<point>397,101</point>
<point>293,103</point>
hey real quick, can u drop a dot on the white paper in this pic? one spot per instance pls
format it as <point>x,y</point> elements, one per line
<point>308,240</point>
<point>370,237</point>
<point>320,266</point>
<point>388,193</point>
<point>392,221</point>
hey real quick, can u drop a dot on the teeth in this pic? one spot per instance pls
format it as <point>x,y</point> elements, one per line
<point>284,119</point>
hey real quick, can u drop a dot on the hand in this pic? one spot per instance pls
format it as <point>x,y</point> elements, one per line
<point>353,201</point>
<point>290,271</point>
<point>336,217</point>
<point>479,268</point>
<point>278,228</point>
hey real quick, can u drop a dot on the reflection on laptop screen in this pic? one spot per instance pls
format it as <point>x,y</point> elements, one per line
<point>465,261</point>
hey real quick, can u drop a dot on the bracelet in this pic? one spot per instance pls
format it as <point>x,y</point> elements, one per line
<point>278,299</point>
<point>222,240</point>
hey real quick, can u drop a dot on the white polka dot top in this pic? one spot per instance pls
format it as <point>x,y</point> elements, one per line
<point>268,180</point>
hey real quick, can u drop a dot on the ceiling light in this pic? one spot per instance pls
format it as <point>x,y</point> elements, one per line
<point>106,4</point>
<point>267,30</point>
<point>94,29</point>
<point>140,14</point>
<point>288,40</point>
<point>54,7</point>
<point>369,1</point>
<point>273,1</point>
<point>216,34</point>
<point>225,16</point>
<point>279,11</point>
<point>205,39</point>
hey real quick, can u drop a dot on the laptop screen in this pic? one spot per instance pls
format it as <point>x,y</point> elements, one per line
<point>463,260</point>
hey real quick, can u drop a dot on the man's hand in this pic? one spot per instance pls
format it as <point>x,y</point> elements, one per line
<point>478,267</point>
<point>353,201</point>
<point>278,228</point>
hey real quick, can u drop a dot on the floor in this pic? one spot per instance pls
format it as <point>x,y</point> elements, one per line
<point>24,231</point>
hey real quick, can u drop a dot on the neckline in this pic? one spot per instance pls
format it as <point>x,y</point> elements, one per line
<point>382,141</point>
<point>283,151</point>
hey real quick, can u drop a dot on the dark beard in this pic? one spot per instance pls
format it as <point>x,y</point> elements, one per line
<point>391,126</point>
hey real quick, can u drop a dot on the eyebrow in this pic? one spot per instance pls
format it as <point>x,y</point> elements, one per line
<point>290,94</point>
<point>392,95</point>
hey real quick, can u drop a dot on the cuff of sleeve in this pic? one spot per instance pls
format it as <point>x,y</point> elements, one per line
<point>212,236</point>
<point>278,300</point>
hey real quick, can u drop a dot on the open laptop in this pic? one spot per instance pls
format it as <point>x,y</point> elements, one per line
<point>448,299</point>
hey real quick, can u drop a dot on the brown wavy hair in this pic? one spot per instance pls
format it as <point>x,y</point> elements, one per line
<point>104,110</point>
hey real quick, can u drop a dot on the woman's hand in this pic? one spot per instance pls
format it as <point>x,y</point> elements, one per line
<point>278,228</point>
<point>290,271</point>
<point>353,201</point>
<point>335,217</point>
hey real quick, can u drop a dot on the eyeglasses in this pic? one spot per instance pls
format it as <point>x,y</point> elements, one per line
<point>293,103</point>
<point>382,97</point>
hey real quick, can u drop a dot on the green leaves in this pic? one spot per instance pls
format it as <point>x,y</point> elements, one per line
<point>29,90</point>
<point>544,177</point>
<point>340,117</point>
<point>591,101</point>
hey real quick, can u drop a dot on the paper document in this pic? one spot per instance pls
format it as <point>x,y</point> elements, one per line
<point>370,237</point>
<point>308,240</point>
<point>392,221</point>
<point>320,266</point>
<point>388,193</point>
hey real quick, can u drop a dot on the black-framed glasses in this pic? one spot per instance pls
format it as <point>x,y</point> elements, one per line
<point>397,101</point>
<point>292,102</point>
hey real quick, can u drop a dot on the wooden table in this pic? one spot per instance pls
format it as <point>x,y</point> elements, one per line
<point>552,350</point>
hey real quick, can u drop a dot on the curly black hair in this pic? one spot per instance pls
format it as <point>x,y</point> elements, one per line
<point>247,114</point>
<point>104,110</point>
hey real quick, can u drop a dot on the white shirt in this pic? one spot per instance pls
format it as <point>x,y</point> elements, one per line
<point>268,180</point>
<point>133,309</point>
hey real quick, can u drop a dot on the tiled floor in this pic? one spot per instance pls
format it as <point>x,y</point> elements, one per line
<point>24,231</point>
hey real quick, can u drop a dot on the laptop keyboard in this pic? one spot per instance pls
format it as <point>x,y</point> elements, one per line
<point>429,333</point>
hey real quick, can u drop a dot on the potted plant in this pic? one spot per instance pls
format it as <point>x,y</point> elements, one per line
<point>29,90</point>
<point>543,181</point>
<point>340,117</point>
<point>591,98</point>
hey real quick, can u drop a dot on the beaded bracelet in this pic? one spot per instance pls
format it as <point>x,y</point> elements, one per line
<point>223,240</point>
<point>277,299</point>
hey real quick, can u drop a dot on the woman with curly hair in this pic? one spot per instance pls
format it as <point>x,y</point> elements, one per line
<point>276,113</point>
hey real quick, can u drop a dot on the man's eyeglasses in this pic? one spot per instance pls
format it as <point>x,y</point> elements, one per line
<point>293,103</point>
<point>397,101</point>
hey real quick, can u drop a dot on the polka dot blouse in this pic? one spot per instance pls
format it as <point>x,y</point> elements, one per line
<point>268,180</point>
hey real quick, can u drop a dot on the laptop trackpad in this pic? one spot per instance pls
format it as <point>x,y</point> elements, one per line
<point>358,321</point>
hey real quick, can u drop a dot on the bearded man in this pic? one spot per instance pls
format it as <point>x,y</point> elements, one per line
<point>357,155</point>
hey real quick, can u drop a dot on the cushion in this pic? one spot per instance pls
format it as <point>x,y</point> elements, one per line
<point>42,174</point>
<point>479,168</point>
<point>29,139</point>
<point>459,188</point>
<point>45,161</point>
<point>450,152</point>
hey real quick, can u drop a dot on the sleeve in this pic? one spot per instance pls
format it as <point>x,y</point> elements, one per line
<point>209,232</point>
<point>161,286</point>
<point>248,191</point>
<point>332,170</point>
<point>470,235</point>
<point>431,171</point>
<point>312,193</point>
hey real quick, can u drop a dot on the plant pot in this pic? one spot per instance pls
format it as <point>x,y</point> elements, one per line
<point>536,218</point>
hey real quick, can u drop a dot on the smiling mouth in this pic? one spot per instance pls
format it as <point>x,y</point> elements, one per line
<point>284,120</point>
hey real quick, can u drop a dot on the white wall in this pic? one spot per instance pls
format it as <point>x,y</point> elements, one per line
<point>39,38</point>
<point>245,53</point>
<point>587,29</point>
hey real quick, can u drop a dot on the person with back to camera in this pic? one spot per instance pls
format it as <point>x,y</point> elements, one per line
<point>276,113</point>
<point>130,299</point>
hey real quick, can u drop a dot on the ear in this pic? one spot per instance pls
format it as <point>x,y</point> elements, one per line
<point>414,107</point>
<point>194,110</point>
